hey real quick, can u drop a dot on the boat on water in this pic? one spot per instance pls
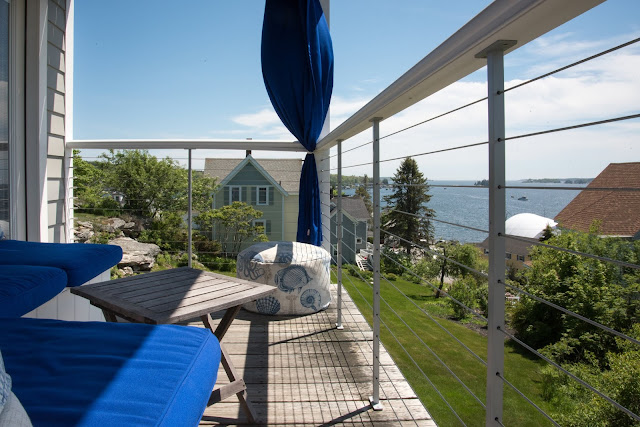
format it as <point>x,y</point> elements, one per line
<point>523,198</point>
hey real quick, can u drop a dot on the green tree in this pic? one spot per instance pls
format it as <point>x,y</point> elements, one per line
<point>602,291</point>
<point>408,216</point>
<point>234,225</point>
<point>89,190</point>
<point>149,185</point>
<point>577,406</point>
<point>462,254</point>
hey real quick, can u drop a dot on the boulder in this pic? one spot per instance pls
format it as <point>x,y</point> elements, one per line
<point>138,256</point>
<point>132,229</point>
<point>83,231</point>
<point>111,225</point>
<point>83,234</point>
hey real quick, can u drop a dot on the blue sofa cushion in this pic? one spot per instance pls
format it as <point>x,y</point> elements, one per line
<point>98,374</point>
<point>81,261</point>
<point>24,288</point>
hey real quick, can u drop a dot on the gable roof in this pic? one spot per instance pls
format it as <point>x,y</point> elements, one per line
<point>353,207</point>
<point>619,211</point>
<point>284,173</point>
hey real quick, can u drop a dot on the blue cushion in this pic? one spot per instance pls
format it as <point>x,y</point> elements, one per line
<point>99,374</point>
<point>24,288</point>
<point>81,261</point>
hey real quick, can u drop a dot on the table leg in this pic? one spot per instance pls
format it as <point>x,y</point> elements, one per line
<point>109,316</point>
<point>236,384</point>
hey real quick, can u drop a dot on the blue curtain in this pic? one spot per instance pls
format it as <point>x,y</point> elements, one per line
<point>297,67</point>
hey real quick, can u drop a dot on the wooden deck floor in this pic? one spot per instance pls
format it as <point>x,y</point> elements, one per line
<point>303,371</point>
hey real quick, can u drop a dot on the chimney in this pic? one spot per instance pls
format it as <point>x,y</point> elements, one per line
<point>248,153</point>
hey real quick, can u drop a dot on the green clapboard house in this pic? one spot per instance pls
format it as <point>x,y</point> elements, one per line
<point>269,185</point>
<point>354,227</point>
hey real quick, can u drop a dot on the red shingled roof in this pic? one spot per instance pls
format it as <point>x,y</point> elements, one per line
<point>619,211</point>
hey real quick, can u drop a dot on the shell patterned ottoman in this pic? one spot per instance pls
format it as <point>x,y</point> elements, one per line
<point>299,273</point>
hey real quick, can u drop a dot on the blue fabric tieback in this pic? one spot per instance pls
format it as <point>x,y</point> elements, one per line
<point>297,67</point>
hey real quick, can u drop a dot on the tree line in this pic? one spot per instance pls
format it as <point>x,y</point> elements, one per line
<point>137,186</point>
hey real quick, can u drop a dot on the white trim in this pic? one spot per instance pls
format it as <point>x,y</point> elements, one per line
<point>68,120</point>
<point>36,121</point>
<point>358,240</point>
<point>522,20</point>
<point>266,191</point>
<point>17,195</point>
<point>207,144</point>
<point>254,162</point>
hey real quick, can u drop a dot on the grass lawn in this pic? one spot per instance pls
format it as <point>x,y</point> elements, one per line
<point>520,370</point>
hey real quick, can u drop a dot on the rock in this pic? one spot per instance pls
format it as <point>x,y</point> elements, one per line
<point>138,256</point>
<point>127,271</point>
<point>83,234</point>
<point>111,225</point>
<point>132,229</point>
<point>84,224</point>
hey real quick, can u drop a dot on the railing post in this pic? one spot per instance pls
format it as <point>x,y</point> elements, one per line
<point>497,212</point>
<point>189,214</point>
<point>339,237</point>
<point>375,399</point>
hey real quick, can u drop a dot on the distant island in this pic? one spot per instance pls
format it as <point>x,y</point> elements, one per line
<point>558,180</point>
<point>482,183</point>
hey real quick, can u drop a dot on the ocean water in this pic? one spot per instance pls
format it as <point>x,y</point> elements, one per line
<point>470,206</point>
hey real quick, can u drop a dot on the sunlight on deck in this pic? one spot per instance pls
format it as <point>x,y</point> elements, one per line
<point>301,370</point>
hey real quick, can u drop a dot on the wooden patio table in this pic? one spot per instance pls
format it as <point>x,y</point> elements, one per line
<point>177,295</point>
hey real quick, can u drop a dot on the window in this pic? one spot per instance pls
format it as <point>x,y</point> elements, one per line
<point>521,258</point>
<point>260,223</point>
<point>486,251</point>
<point>358,240</point>
<point>235,194</point>
<point>262,196</point>
<point>508,255</point>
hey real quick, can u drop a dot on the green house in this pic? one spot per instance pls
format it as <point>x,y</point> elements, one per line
<point>354,227</point>
<point>269,185</point>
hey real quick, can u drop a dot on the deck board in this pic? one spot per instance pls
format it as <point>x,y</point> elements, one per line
<point>301,371</point>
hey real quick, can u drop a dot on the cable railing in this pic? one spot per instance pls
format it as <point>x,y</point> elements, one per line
<point>497,278</point>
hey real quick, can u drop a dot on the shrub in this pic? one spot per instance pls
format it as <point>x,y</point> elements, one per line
<point>578,406</point>
<point>392,277</point>
<point>466,291</point>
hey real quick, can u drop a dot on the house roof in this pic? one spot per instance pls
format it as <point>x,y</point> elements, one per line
<point>618,211</point>
<point>352,206</point>
<point>285,172</point>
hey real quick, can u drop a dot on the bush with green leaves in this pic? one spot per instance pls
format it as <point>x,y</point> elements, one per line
<point>470,292</point>
<point>604,292</point>
<point>578,406</point>
<point>394,262</point>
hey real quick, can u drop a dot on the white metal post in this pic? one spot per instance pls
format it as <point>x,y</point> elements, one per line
<point>189,214</point>
<point>375,399</point>
<point>497,211</point>
<point>339,237</point>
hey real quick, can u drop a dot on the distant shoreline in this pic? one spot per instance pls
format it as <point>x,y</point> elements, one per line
<point>558,180</point>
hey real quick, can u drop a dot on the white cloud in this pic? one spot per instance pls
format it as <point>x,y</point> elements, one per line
<point>604,88</point>
<point>598,90</point>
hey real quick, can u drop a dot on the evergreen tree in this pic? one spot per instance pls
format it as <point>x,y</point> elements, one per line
<point>362,192</point>
<point>410,195</point>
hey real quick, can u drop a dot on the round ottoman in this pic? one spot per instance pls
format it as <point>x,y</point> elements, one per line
<point>299,273</point>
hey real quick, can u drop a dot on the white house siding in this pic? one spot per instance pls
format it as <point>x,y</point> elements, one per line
<point>64,306</point>
<point>56,68</point>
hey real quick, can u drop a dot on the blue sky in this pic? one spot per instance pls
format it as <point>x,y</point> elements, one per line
<point>151,69</point>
